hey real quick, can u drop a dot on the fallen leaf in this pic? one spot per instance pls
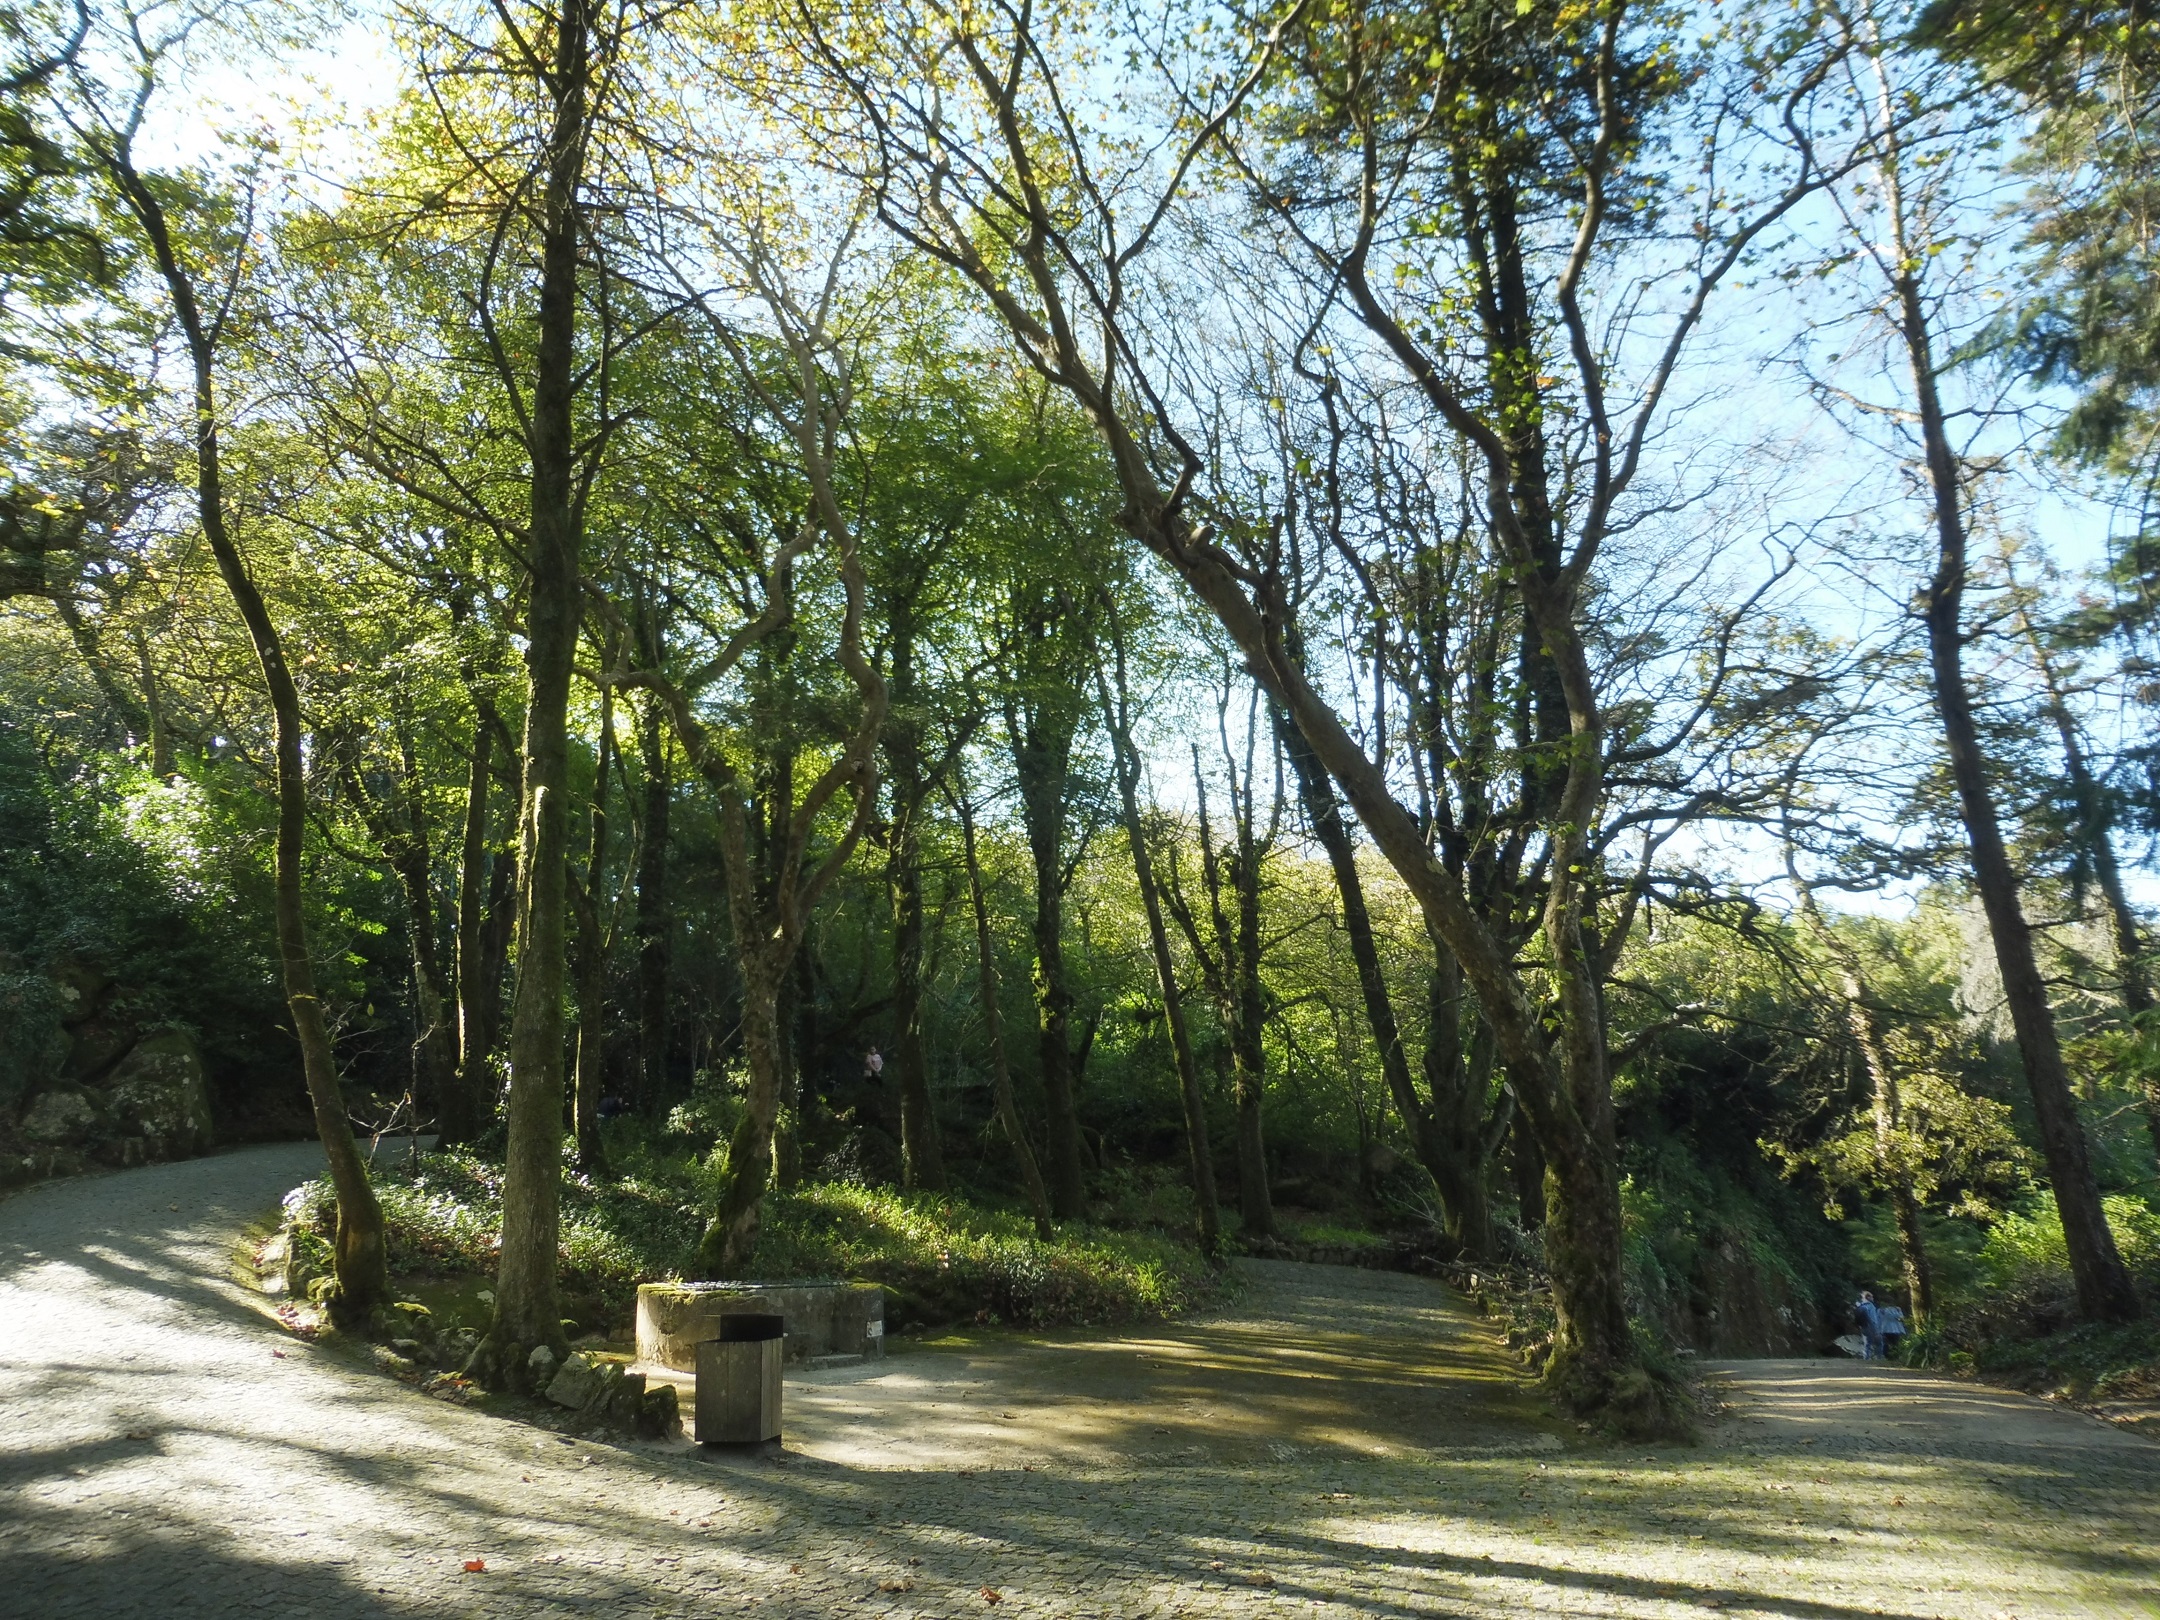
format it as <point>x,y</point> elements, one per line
<point>989,1595</point>
<point>1215,1563</point>
<point>138,1434</point>
<point>914,1563</point>
<point>1260,1577</point>
<point>279,1354</point>
<point>473,1566</point>
<point>794,1569</point>
<point>901,1585</point>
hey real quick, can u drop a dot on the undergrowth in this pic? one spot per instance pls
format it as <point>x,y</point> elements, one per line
<point>2019,1324</point>
<point>943,1260</point>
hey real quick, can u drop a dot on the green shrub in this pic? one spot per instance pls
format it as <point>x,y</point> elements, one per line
<point>2027,1244</point>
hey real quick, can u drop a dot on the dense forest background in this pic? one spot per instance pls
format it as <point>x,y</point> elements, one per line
<point>1518,634</point>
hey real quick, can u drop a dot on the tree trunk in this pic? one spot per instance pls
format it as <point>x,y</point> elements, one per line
<point>2098,835</point>
<point>463,1112</point>
<point>1248,1051</point>
<point>592,963</point>
<point>1323,812</point>
<point>528,1310</point>
<point>1228,954</point>
<point>435,1044</point>
<point>1529,1167</point>
<point>1008,1108</point>
<point>1885,1110</point>
<point>1201,1160</point>
<point>504,887</point>
<point>654,928</point>
<point>922,1162</point>
<point>788,1019</point>
<point>1457,1082</point>
<point>136,724</point>
<point>1042,766</point>
<point>161,743</point>
<point>731,1235</point>
<point>2104,1289</point>
<point>360,1259</point>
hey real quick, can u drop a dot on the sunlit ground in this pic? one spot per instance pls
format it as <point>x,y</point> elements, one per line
<point>1338,1443</point>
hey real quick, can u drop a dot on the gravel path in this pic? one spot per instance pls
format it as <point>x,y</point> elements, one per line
<point>1339,1443</point>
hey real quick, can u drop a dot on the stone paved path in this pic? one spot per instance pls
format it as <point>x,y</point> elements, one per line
<point>1338,1443</point>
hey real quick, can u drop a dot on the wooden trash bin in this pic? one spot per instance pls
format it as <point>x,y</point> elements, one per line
<point>738,1381</point>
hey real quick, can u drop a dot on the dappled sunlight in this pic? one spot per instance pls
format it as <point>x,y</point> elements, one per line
<point>164,1457</point>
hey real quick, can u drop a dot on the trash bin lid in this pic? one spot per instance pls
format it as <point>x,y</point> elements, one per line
<point>738,1327</point>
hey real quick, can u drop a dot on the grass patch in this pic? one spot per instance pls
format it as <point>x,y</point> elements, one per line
<point>943,1260</point>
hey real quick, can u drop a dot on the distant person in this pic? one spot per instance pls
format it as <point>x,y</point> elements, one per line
<point>612,1108</point>
<point>1868,1315</point>
<point>1893,1331</point>
<point>873,1064</point>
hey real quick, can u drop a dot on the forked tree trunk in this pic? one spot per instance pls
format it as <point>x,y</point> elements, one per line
<point>1228,954</point>
<point>360,1260</point>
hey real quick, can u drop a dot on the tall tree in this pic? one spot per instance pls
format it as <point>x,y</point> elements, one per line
<point>1895,223</point>
<point>213,237</point>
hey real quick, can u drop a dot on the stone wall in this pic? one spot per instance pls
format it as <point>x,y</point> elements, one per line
<point>113,1094</point>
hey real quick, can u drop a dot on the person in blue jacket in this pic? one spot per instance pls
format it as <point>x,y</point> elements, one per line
<point>1893,1329</point>
<point>1869,1316</point>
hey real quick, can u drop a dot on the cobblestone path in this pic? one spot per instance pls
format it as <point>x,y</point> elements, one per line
<point>1338,1443</point>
